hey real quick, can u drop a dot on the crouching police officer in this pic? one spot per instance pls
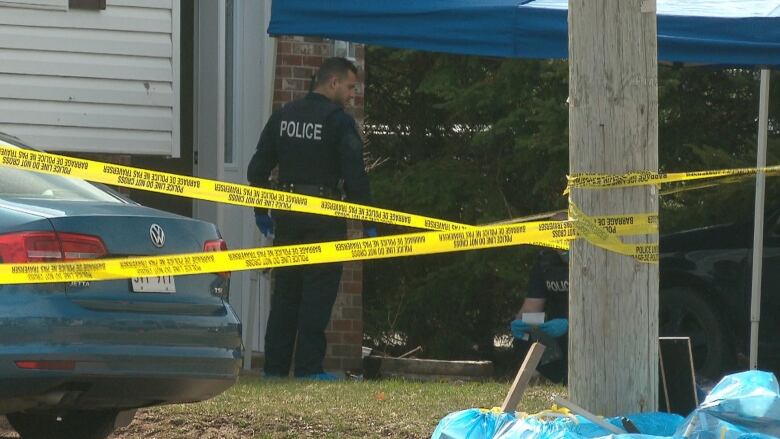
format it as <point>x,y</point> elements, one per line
<point>316,146</point>
<point>548,292</point>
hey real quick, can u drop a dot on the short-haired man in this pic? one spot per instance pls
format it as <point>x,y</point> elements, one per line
<point>317,147</point>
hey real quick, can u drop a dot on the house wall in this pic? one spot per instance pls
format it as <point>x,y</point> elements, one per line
<point>102,81</point>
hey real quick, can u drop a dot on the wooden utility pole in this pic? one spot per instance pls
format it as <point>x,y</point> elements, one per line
<point>613,128</point>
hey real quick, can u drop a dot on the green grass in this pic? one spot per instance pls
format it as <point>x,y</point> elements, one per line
<point>257,408</point>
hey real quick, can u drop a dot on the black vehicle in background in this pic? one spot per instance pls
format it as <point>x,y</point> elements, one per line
<point>705,293</point>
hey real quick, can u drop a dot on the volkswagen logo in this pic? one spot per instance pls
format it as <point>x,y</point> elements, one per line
<point>157,235</point>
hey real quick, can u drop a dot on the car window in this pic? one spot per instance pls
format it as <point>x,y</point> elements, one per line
<point>19,183</point>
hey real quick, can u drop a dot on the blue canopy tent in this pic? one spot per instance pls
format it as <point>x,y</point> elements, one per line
<point>743,32</point>
<point>721,32</point>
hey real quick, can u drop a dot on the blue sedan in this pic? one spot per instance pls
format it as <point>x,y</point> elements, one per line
<point>77,358</point>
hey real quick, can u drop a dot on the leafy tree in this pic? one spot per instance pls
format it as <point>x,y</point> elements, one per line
<point>708,119</point>
<point>478,140</point>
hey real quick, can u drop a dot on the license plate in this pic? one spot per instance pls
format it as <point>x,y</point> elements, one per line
<point>153,284</point>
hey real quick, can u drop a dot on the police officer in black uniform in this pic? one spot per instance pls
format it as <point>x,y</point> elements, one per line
<point>548,292</point>
<point>317,148</point>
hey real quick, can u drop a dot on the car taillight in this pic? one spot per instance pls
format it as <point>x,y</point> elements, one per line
<point>75,247</point>
<point>216,245</point>
<point>23,247</point>
<point>46,364</point>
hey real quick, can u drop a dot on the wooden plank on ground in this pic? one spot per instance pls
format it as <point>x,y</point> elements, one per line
<point>563,402</point>
<point>523,376</point>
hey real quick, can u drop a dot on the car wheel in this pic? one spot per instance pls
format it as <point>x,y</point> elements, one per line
<point>82,424</point>
<point>685,313</point>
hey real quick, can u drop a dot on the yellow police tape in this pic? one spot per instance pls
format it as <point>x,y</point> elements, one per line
<point>603,231</point>
<point>588,228</point>
<point>336,251</point>
<point>217,191</point>
<point>597,232</point>
<point>642,178</point>
<point>209,190</point>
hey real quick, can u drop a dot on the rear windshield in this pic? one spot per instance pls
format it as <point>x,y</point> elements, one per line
<point>18,183</point>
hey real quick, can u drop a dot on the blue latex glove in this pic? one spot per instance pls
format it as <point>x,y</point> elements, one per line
<point>555,327</point>
<point>519,328</point>
<point>264,223</point>
<point>369,232</point>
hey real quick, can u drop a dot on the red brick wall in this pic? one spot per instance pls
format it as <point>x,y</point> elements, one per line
<point>297,59</point>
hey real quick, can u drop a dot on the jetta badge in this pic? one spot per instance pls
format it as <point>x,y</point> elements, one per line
<point>157,235</point>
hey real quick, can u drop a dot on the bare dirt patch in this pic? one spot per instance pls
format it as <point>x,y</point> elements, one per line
<point>152,423</point>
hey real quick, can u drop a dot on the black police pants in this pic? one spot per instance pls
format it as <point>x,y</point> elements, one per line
<point>303,297</point>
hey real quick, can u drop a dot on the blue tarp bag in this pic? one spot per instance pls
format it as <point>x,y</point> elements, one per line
<point>473,424</point>
<point>494,424</point>
<point>655,424</point>
<point>652,425</point>
<point>743,405</point>
<point>538,428</point>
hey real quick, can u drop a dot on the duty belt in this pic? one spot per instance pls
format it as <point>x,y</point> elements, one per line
<point>316,190</point>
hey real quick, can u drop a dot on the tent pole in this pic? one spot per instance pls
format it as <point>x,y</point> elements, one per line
<point>758,220</point>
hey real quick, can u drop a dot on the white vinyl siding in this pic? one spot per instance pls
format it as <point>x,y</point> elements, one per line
<point>57,5</point>
<point>92,81</point>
